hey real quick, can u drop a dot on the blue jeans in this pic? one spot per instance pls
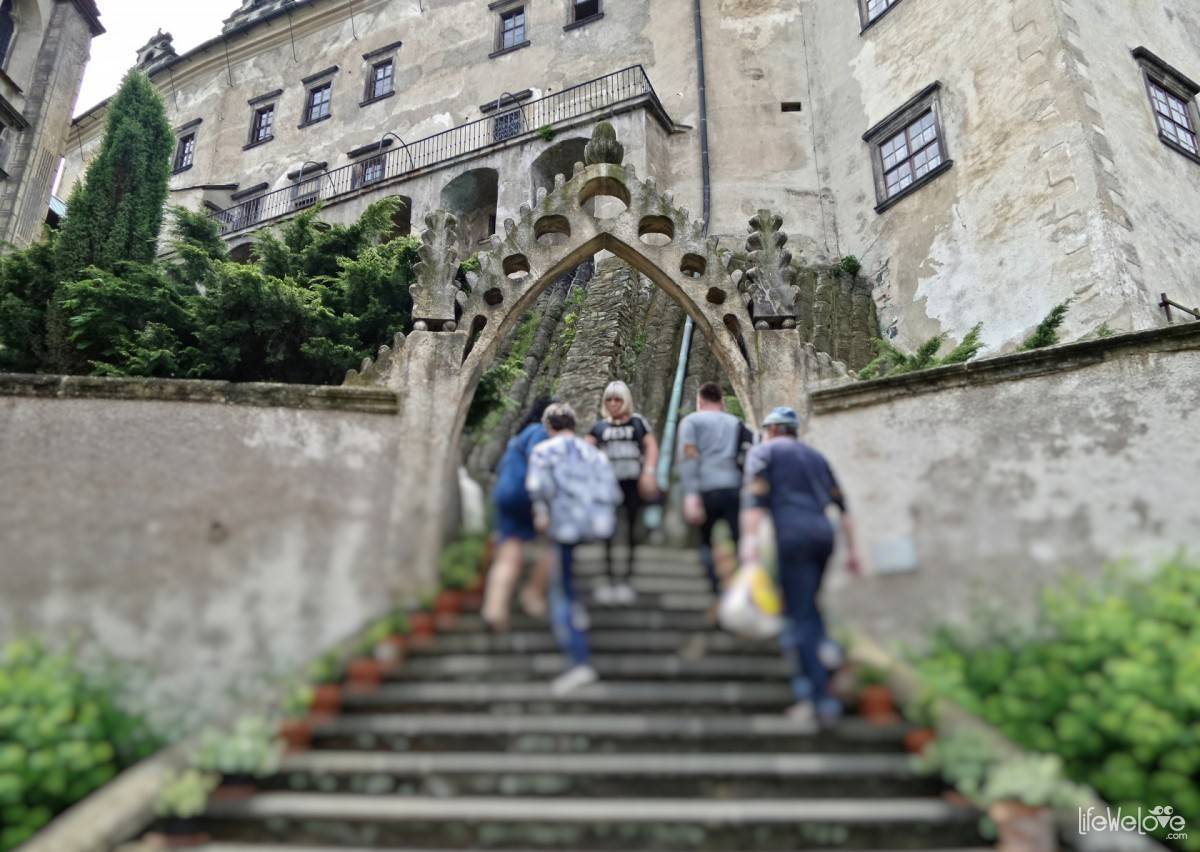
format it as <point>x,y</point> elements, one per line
<point>567,615</point>
<point>802,562</point>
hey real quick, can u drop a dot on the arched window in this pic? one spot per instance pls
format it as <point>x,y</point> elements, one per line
<point>8,26</point>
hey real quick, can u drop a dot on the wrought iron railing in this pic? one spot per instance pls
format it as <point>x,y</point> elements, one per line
<point>1166,304</point>
<point>504,124</point>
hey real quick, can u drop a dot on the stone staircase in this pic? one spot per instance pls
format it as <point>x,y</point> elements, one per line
<point>682,746</point>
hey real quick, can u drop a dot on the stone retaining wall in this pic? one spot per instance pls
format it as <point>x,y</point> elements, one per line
<point>206,532</point>
<point>991,479</point>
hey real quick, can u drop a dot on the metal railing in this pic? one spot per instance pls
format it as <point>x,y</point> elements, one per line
<point>604,92</point>
<point>1166,304</point>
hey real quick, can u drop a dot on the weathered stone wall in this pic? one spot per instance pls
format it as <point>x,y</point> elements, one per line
<point>40,82</point>
<point>1006,474</point>
<point>208,533</point>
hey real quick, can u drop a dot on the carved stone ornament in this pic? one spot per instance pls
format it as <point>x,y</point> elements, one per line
<point>768,286</point>
<point>604,147</point>
<point>436,291</point>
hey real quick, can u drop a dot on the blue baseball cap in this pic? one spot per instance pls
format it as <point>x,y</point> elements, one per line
<point>782,416</point>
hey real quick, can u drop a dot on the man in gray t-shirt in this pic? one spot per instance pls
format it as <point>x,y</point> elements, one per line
<point>712,444</point>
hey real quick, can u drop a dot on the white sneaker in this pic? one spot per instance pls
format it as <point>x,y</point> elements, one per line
<point>802,712</point>
<point>624,594</point>
<point>605,594</point>
<point>573,679</point>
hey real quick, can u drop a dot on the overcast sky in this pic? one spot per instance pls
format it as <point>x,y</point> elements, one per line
<point>131,23</point>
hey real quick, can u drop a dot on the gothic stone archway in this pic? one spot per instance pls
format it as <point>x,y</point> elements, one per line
<point>748,320</point>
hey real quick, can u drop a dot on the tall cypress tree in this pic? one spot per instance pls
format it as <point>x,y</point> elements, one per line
<point>116,212</point>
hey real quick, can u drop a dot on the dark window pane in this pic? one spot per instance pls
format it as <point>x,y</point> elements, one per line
<point>318,102</point>
<point>264,124</point>
<point>382,79</point>
<point>585,9</point>
<point>185,152</point>
<point>507,126</point>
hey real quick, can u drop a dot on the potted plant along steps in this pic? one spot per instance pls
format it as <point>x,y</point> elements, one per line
<point>364,673</point>
<point>296,727</point>
<point>327,694</point>
<point>182,799</point>
<point>876,704</point>
<point>392,649</point>
<point>1019,792</point>
<point>240,756</point>
<point>1021,795</point>
<point>919,714</point>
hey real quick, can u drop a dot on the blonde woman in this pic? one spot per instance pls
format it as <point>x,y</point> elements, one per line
<point>626,438</point>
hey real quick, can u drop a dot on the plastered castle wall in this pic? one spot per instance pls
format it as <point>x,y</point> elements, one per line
<point>1060,187</point>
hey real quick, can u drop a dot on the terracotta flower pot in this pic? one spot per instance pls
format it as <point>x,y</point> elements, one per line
<point>235,788</point>
<point>422,629</point>
<point>918,739</point>
<point>1024,828</point>
<point>876,705</point>
<point>364,674</point>
<point>472,600</point>
<point>179,833</point>
<point>296,733</point>
<point>447,606</point>
<point>327,700</point>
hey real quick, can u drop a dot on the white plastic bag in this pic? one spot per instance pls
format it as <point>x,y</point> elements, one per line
<point>751,606</point>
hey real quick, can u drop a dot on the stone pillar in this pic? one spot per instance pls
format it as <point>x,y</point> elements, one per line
<point>425,369</point>
<point>788,370</point>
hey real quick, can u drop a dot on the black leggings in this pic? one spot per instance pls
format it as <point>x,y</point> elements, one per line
<point>631,506</point>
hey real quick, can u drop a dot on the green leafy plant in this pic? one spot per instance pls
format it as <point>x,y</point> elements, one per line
<point>324,670</point>
<point>460,561</point>
<point>733,405</point>
<point>870,676</point>
<point>250,747</point>
<point>185,794</point>
<point>1046,334</point>
<point>850,265</point>
<point>892,362</point>
<point>62,735</point>
<point>546,133</point>
<point>1109,681</point>
<point>298,701</point>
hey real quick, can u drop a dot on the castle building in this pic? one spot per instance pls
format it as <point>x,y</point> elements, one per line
<point>44,45</point>
<point>984,161</point>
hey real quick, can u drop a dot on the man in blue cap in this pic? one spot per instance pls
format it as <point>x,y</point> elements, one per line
<point>794,484</point>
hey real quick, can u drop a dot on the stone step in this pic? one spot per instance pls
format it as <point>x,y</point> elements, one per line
<point>288,847</point>
<point>641,619</point>
<point>651,775</point>
<point>496,667</point>
<point>601,733</point>
<point>687,644</point>
<point>645,584</point>
<point>628,695</point>
<point>646,557</point>
<point>376,822</point>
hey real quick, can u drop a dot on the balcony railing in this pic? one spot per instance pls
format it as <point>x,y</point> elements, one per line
<point>605,92</point>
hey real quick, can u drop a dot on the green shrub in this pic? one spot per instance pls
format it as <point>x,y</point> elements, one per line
<point>61,736</point>
<point>1046,334</point>
<point>892,362</point>
<point>459,565</point>
<point>249,748</point>
<point>185,795</point>
<point>1110,682</point>
<point>850,264</point>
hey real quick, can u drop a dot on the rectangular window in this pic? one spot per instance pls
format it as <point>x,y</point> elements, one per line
<point>908,148</point>
<point>305,192</point>
<point>507,125</point>
<point>1173,99</point>
<point>382,79</point>
<point>872,10</point>
<point>185,152</point>
<point>910,154</point>
<point>584,9</point>
<point>370,171</point>
<point>512,28</point>
<point>318,103</point>
<point>263,127</point>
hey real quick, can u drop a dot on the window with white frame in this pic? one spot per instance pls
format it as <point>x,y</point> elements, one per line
<point>185,151</point>
<point>319,100</point>
<point>1173,100</point>
<point>908,148</point>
